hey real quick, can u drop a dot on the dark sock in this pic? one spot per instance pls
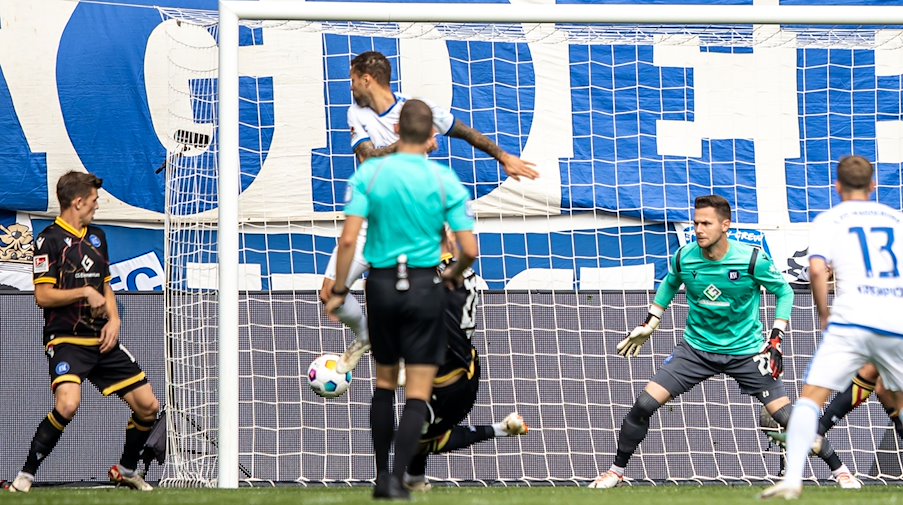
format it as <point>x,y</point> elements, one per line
<point>782,416</point>
<point>407,437</point>
<point>634,427</point>
<point>844,403</point>
<point>45,439</point>
<point>895,418</point>
<point>417,466</point>
<point>460,437</point>
<point>382,426</point>
<point>136,434</point>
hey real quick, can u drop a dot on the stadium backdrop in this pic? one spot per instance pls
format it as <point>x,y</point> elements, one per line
<point>62,106</point>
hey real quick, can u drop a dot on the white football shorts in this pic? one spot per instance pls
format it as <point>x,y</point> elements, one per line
<point>844,350</point>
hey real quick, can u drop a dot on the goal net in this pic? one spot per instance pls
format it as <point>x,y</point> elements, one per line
<point>627,124</point>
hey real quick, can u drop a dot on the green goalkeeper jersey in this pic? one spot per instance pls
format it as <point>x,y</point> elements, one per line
<point>724,297</point>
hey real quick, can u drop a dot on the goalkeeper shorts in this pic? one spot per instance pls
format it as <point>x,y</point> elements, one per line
<point>686,367</point>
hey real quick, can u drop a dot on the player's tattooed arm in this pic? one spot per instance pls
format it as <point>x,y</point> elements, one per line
<point>365,150</point>
<point>514,166</point>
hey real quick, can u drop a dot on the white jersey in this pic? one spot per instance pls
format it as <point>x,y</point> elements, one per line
<point>366,124</point>
<point>862,243</point>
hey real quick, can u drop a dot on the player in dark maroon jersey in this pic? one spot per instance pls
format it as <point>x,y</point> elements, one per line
<point>81,331</point>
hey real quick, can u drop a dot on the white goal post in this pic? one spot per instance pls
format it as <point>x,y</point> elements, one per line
<point>231,13</point>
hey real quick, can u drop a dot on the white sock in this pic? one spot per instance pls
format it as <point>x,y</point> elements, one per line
<point>618,469</point>
<point>843,469</point>
<point>352,316</point>
<point>801,432</point>
<point>26,475</point>
<point>499,429</point>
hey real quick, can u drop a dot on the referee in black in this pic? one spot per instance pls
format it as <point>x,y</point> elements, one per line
<point>406,200</point>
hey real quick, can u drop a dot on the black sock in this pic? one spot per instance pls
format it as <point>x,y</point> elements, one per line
<point>417,466</point>
<point>782,417</point>
<point>460,437</point>
<point>136,434</point>
<point>407,437</point>
<point>844,403</point>
<point>894,416</point>
<point>634,427</point>
<point>382,426</point>
<point>45,439</point>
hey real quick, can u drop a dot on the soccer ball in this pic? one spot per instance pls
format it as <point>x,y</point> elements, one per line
<point>323,378</point>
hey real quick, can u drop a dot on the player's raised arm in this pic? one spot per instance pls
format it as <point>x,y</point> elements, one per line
<point>514,166</point>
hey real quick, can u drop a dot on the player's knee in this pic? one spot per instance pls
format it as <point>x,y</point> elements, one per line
<point>782,415</point>
<point>67,407</point>
<point>151,410</point>
<point>643,408</point>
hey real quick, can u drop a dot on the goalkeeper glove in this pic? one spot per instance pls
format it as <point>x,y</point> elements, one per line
<point>631,345</point>
<point>775,354</point>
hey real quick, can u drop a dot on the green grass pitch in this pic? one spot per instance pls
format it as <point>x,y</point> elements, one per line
<point>640,495</point>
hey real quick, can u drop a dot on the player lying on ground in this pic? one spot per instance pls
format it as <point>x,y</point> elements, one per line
<point>372,118</point>
<point>855,240</point>
<point>455,387</point>
<point>723,333</point>
<point>81,332</point>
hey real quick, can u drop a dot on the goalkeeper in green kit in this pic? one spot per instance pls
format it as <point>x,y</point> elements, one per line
<point>723,333</point>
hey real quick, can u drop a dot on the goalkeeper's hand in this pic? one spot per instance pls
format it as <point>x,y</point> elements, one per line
<point>631,345</point>
<point>775,353</point>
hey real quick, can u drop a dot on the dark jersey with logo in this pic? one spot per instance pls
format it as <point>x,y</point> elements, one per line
<point>459,320</point>
<point>70,259</point>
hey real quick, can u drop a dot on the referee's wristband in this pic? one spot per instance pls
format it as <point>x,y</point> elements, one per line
<point>340,293</point>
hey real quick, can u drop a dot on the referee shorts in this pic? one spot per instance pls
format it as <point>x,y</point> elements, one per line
<point>406,324</point>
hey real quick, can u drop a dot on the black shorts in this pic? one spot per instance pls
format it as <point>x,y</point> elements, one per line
<point>113,372</point>
<point>406,324</point>
<point>452,403</point>
<point>686,367</point>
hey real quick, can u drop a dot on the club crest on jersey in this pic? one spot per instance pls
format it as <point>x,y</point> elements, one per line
<point>94,240</point>
<point>41,264</point>
<point>62,367</point>
<point>712,292</point>
<point>733,275</point>
<point>87,263</point>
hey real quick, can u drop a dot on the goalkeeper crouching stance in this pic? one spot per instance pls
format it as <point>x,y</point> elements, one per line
<point>456,384</point>
<point>723,333</point>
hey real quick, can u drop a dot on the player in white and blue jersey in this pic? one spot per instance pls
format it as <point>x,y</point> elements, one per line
<point>859,241</point>
<point>373,119</point>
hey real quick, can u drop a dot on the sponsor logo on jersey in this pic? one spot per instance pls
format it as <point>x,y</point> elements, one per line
<point>733,275</point>
<point>62,368</point>
<point>94,240</point>
<point>87,263</point>
<point>41,264</point>
<point>712,292</point>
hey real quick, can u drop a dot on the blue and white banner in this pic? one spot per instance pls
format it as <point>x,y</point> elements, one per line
<point>625,137</point>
